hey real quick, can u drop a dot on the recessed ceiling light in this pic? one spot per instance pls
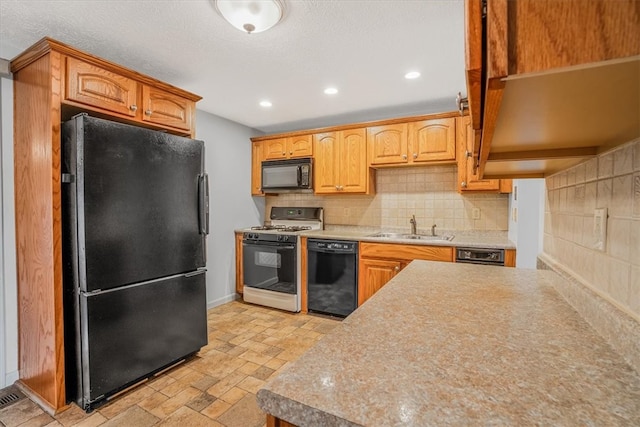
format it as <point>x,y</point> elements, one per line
<point>331,91</point>
<point>412,75</point>
<point>265,104</point>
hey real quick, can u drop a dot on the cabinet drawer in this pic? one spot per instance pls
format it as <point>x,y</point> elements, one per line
<point>166,109</point>
<point>94,86</point>
<point>406,252</point>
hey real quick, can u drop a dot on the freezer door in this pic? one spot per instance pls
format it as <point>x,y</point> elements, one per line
<point>139,196</point>
<point>130,332</point>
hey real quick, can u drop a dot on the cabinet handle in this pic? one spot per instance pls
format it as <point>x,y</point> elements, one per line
<point>468,153</point>
<point>337,187</point>
<point>133,107</point>
<point>463,184</point>
<point>396,268</point>
<point>404,157</point>
<point>415,155</point>
<point>148,112</point>
<point>341,187</point>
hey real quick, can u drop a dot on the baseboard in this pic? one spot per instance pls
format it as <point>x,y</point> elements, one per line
<point>10,378</point>
<point>220,301</point>
<point>617,327</point>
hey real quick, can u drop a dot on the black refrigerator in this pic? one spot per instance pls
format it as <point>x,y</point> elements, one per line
<point>135,208</point>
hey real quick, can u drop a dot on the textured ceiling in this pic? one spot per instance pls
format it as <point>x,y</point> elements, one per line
<point>363,48</point>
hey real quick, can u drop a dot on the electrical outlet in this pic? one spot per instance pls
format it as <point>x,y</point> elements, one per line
<point>514,214</point>
<point>346,212</point>
<point>600,229</point>
<point>475,213</point>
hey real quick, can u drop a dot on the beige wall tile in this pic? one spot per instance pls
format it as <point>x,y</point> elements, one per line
<point>568,227</point>
<point>429,193</point>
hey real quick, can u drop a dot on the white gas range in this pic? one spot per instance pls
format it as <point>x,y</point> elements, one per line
<point>271,257</point>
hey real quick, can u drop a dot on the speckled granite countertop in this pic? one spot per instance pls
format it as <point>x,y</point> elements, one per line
<point>458,344</point>
<point>467,238</point>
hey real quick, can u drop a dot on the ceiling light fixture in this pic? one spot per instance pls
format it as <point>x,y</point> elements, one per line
<point>251,16</point>
<point>265,104</point>
<point>330,91</point>
<point>412,75</point>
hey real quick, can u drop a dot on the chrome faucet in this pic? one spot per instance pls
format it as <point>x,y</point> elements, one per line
<point>433,230</point>
<point>412,221</point>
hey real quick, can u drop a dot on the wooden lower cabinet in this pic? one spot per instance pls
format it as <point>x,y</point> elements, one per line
<point>380,262</point>
<point>277,422</point>
<point>374,273</point>
<point>239,277</point>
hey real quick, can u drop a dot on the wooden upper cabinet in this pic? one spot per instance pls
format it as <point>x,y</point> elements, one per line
<point>341,162</point>
<point>91,84</point>
<point>526,58</point>
<point>388,144</point>
<point>433,140</point>
<point>256,168</point>
<point>288,147</point>
<point>96,87</point>
<point>413,143</point>
<point>164,108</point>
<point>300,146</point>
<point>468,179</point>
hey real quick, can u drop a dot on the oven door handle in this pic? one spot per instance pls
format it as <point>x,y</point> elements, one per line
<point>271,244</point>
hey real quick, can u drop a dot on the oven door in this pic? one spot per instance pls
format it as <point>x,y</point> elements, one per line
<point>270,266</point>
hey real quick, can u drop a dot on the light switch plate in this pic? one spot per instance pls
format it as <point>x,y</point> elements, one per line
<point>600,229</point>
<point>475,213</point>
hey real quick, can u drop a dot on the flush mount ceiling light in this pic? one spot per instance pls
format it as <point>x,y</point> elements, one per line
<point>266,104</point>
<point>330,91</point>
<point>251,16</point>
<point>412,75</point>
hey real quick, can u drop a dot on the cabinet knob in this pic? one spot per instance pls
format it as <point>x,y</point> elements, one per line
<point>148,112</point>
<point>133,108</point>
<point>463,184</point>
<point>468,153</point>
<point>415,155</point>
<point>404,157</point>
<point>340,187</point>
<point>284,153</point>
<point>337,187</point>
<point>396,268</point>
<point>291,152</point>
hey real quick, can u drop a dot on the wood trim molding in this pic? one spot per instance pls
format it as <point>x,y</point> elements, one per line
<point>359,125</point>
<point>473,40</point>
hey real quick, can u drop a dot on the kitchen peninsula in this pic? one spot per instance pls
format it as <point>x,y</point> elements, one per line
<point>458,344</point>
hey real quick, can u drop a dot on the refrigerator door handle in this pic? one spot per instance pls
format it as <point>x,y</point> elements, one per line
<point>203,201</point>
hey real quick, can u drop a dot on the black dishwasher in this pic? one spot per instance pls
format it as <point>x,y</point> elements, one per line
<point>332,276</point>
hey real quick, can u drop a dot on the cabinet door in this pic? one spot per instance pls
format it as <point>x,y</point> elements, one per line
<point>432,140</point>
<point>97,87</point>
<point>353,170</point>
<point>326,163</point>
<point>373,274</point>
<point>256,169</point>
<point>300,146</point>
<point>274,149</point>
<point>467,179</point>
<point>166,109</point>
<point>388,144</point>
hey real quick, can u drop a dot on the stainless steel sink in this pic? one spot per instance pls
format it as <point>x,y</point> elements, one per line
<point>402,236</point>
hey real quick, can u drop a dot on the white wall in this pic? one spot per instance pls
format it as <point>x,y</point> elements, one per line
<point>526,213</point>
<point>228,163</point>
<point>8,288</point>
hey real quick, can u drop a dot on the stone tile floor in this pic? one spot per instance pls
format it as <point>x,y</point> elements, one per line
<point>247,346</point>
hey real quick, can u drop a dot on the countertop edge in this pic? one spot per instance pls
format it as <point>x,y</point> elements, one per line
<point>297,413</point>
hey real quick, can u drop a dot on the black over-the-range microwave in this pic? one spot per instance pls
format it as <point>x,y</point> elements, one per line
<point>295,175</point>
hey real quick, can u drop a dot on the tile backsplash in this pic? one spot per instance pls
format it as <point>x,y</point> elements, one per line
<point>612,181</point>
<point>429,193</point>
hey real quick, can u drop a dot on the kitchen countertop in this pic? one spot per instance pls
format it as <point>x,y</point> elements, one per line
<point>465,238</point>
<point>459,344</point>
